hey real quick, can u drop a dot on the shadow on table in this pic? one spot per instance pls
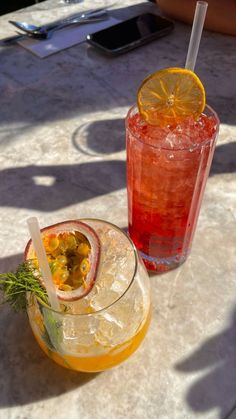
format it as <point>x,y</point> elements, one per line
<point>216,388</point>
<point>100,137</point>
<point>27,375</point>
<point>224,159</point>
<point>49,188</point>
<point>10,263</point>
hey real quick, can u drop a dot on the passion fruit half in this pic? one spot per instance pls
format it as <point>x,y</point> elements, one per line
<point>73,253</point>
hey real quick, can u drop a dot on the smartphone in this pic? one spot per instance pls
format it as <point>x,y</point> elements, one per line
<point>130,33</point>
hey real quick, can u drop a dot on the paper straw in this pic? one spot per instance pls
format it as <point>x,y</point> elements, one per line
<point>34,230</point>
<point>198,22</point>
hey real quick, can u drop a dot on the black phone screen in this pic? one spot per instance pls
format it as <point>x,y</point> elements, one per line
<point>132,31</point>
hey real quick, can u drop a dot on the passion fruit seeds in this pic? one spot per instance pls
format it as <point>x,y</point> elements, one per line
<point>73,251</point>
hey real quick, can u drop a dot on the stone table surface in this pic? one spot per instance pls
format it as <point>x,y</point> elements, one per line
<point>62,156</point>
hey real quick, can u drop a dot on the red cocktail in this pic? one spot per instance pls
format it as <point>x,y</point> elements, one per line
<point>167,169</point>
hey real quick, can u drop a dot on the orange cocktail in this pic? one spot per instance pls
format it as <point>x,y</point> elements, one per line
<point>98,356</point>
<point>106,325</point>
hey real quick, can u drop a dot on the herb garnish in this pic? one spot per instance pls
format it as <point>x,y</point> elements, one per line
<point>15,285</point>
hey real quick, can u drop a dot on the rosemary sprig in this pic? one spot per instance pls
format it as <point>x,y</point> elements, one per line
<point>15,285</point>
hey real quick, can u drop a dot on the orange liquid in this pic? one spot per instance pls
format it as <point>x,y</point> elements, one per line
<point>100,362</point>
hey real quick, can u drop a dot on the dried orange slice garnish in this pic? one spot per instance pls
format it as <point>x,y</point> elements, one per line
<point>171,95</point>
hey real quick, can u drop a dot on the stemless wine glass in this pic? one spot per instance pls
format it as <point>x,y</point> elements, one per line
<point>106,326</point>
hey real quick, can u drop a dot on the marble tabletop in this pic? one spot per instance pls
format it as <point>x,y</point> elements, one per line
<point>62,156</point>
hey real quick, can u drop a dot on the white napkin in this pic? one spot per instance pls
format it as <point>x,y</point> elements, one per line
<point>65,38</point>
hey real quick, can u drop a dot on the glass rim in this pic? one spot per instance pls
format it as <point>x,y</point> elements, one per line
<point>156,147</point>
<point>136,258</point>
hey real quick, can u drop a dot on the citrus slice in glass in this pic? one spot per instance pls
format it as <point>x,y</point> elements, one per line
<point>171,95</point>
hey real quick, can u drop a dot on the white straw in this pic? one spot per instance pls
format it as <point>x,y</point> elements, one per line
<point>43,262</point>
<point>198,22</point>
